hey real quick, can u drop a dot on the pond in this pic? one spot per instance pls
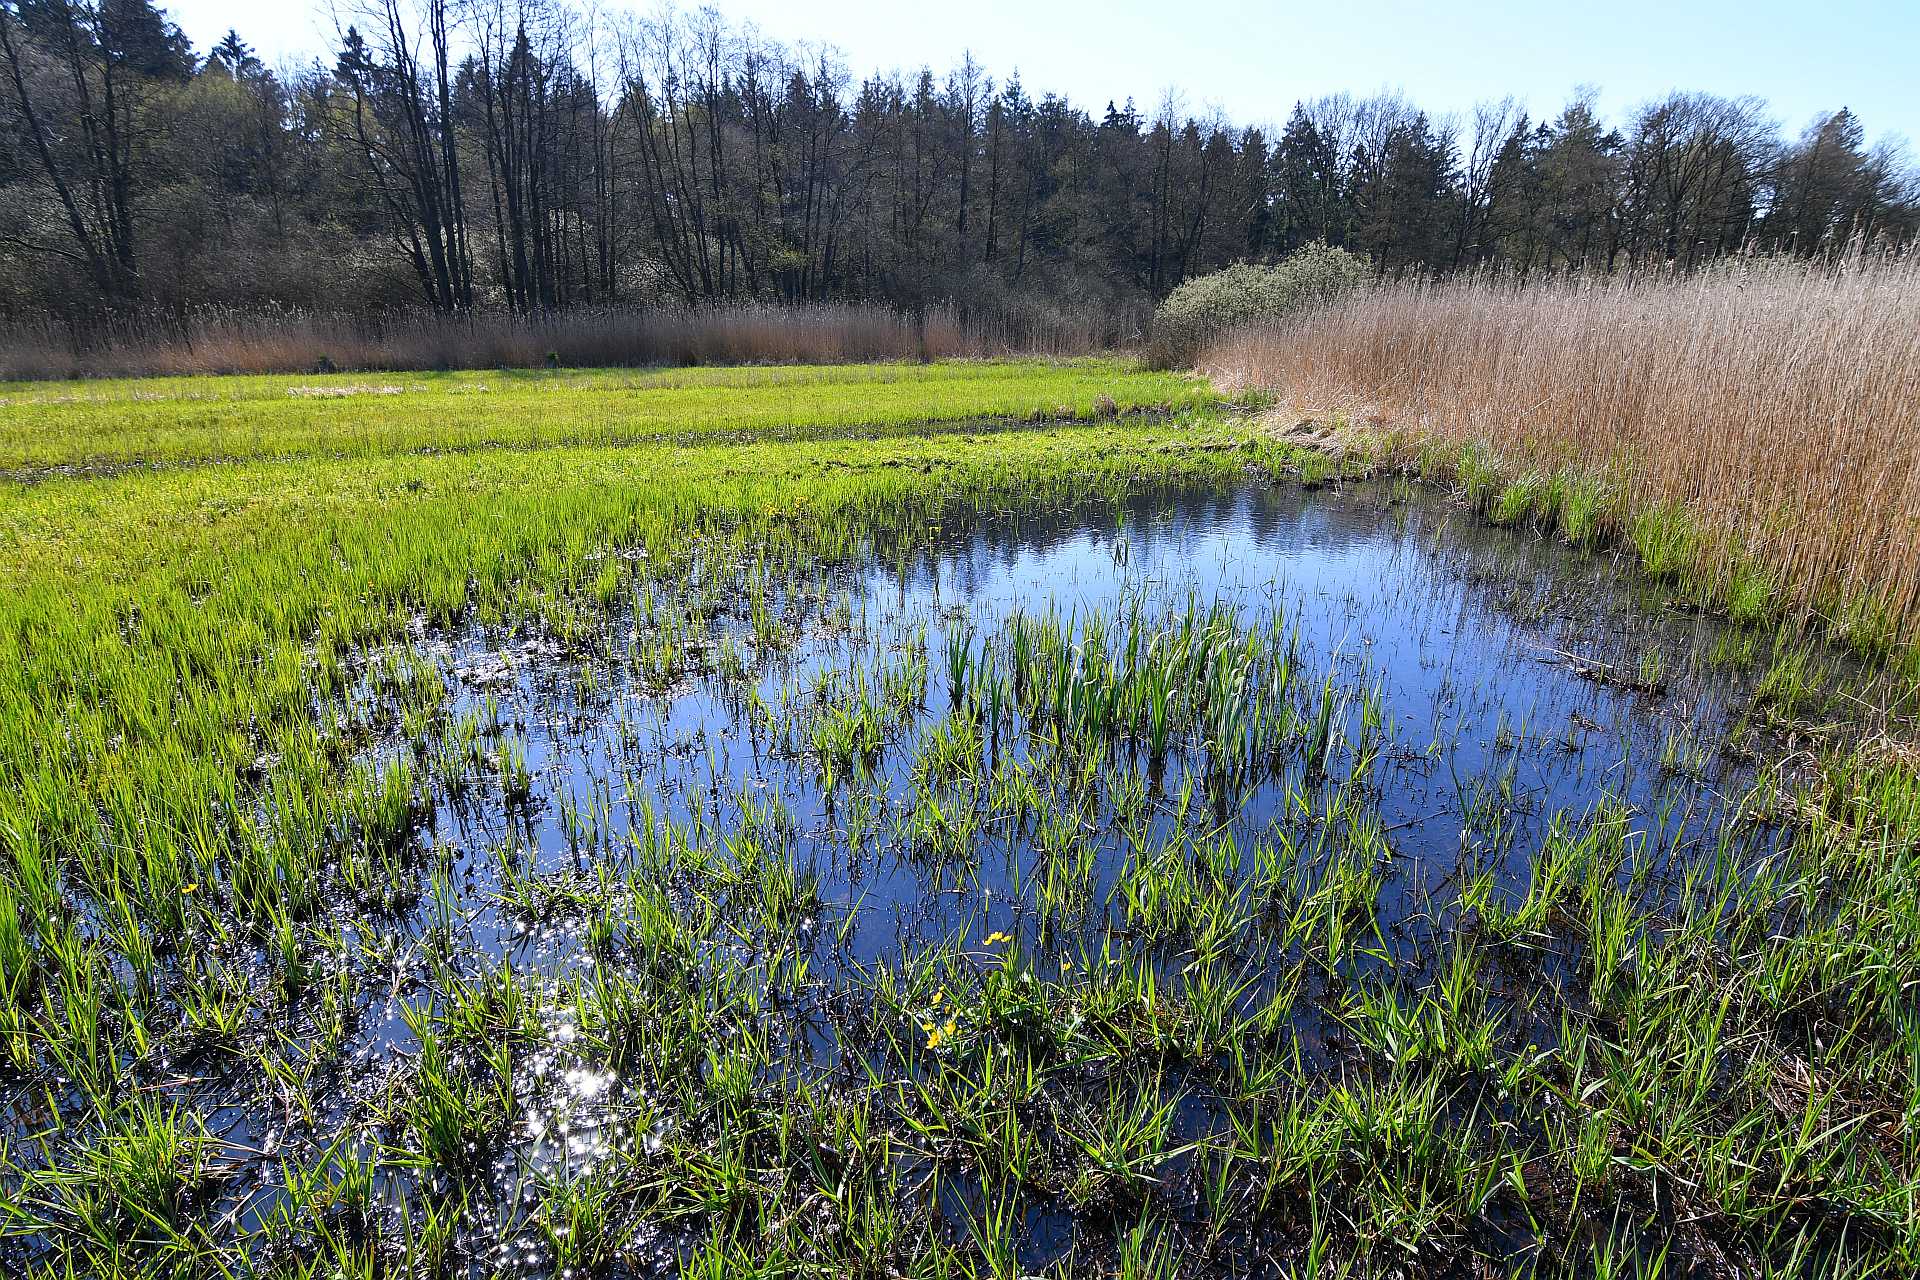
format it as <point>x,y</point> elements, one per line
<point>1501,681</point>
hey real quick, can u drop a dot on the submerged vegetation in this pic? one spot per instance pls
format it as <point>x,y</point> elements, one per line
<point>815,831</point>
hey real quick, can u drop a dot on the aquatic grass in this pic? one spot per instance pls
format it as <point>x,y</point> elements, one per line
<point>1791,688</point>
<point>1122,1141</point>
<point>458,1114</point>
<point>133,1187</point>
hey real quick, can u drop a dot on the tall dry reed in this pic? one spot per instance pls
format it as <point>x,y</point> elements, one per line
<point>289,341</point>
<point>1773,406</point>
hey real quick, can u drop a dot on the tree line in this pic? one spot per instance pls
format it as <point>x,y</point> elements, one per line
<point>527,155</point>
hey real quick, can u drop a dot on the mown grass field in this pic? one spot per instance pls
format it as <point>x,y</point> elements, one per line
<point>257,1016</point>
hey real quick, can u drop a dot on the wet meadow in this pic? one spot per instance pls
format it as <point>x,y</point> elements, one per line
<point>980,819</point>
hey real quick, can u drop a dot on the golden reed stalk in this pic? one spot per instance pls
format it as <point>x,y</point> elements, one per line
<point>1776,404</point>
<point>219,340</point>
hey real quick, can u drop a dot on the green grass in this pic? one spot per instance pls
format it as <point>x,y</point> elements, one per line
<point>189,420</point>
<point>206,870</point>
<point>1590,509</point>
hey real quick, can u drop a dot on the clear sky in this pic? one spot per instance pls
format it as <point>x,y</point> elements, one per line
<point>1254,60</point>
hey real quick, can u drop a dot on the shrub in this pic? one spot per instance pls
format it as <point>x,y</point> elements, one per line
<point>1207,308</point>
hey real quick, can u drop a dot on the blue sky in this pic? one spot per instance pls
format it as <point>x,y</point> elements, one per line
<point>1254,60</point>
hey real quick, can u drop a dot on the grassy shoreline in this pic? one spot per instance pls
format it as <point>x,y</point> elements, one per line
<point>1750,428</point>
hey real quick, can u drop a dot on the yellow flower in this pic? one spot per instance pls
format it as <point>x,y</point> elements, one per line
<point>938,996</point>
<point>994,939</point>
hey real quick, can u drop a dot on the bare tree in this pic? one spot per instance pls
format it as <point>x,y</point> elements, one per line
<point>1489,126</point>
<point>401,123</point>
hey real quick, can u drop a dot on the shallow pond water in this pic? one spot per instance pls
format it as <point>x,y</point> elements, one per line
<point>1512,680</point>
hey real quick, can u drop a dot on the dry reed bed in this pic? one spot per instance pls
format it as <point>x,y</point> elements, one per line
<point>1769,409</point>
<point>229,341</point>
